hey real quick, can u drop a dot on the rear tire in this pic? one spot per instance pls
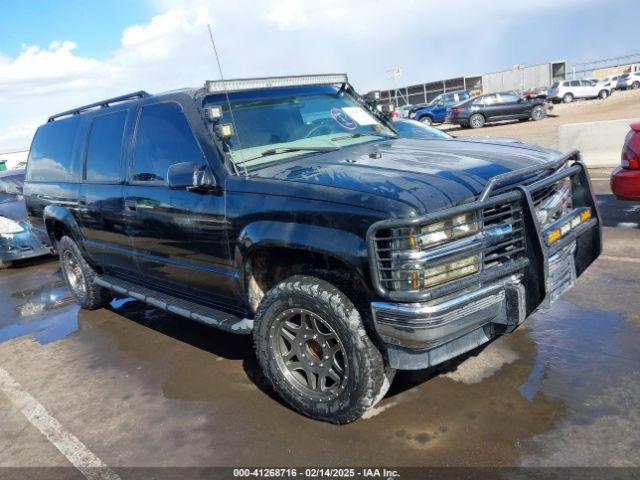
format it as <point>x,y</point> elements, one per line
<point>477,120</point>
<point>603,94</point>
<point>426,121</point>
<point>80,277</point>
<point>312,346</point>
<point>635,85</point>
<point>567,98</point>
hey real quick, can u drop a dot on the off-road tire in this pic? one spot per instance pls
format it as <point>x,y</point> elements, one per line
<point>477,120</point>
<point>368,379</point>
<point>92,296</point>
<point>426,120</point>
<point>602,94</point>
<point>567,98</point>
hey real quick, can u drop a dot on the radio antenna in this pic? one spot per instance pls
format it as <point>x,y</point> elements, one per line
<point>226,93</point>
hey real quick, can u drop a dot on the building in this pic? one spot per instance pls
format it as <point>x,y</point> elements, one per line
<point>516,78</point>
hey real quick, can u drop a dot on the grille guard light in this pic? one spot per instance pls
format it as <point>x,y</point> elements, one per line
<point>555,234</point>
<point>243,84</point>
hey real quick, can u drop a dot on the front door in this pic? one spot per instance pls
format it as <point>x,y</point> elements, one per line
<point>178,236</point>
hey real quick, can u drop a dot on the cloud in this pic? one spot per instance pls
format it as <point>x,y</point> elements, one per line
<point>365,38</point>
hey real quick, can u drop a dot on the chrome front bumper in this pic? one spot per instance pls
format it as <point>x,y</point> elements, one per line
<point>420,335</point>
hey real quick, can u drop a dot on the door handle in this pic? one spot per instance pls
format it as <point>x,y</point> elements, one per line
<point>130,204</point>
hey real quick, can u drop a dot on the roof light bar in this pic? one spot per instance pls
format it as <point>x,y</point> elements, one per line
<point>241,84</point>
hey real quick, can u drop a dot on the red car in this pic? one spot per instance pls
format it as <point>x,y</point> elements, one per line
<point>625,180</point>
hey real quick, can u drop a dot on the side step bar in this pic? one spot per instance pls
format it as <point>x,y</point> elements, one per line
<point>216,318</point>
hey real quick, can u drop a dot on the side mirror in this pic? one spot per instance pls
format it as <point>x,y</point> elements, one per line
<point>190,176</point>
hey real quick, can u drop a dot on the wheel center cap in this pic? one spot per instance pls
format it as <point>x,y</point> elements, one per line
<point>314,348</point>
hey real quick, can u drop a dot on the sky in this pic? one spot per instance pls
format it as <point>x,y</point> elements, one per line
<point>59,54</point>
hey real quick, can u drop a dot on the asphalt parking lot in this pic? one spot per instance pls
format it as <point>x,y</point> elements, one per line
<point>134,386</point>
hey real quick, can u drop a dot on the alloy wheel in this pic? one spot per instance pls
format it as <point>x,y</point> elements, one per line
<point>74,274</point>
<point>309,354</point>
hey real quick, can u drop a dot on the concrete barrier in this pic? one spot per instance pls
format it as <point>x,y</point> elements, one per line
<point>599,142</point>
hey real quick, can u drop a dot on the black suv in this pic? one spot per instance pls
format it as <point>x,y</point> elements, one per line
<point>288,208</point>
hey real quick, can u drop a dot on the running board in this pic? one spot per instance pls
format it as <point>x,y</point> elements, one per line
<point>216,318</point>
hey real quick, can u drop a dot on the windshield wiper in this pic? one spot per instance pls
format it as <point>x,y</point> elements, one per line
<point>361,134</point>
<point>275,151</point>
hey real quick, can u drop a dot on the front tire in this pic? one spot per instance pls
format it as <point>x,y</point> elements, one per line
<point>312,346</point>
<point>80,276</point>
<point>567,98</point>
<point>538,113</point>
<point>635,85</point>
<point>603,94</point>
<point>426,121</point>
<point>476,120</point>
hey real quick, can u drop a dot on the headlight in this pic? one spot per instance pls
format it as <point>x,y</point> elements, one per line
<point>447,230</point>
<point>8,226</point>
<point>415,250</point>
<point>412,114</point>
<point>421,278</point>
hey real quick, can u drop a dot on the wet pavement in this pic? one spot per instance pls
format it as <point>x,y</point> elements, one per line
<point>141,387</point>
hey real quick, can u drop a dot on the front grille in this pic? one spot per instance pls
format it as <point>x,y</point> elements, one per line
<point>505,217</point>
<point>500,240</point>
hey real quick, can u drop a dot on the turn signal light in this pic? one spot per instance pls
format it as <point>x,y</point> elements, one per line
<point>557,233</point>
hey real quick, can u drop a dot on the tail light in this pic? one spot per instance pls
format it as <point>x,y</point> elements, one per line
<point>456,110</point>
<point>630,158</point>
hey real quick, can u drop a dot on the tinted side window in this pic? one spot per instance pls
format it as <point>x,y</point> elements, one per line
<point>490,99</point>
<point>575,83</point>
<point>509,98</point>
<point>51,156</point>
<point>163,138</point>
<point>105,147</point>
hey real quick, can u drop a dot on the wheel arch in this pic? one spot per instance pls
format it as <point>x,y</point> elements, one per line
<point>267,252</point>
<point>58,221</point>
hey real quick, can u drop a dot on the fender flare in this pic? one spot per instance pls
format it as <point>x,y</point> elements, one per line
<point>341,245</point>
<point>56,213</point>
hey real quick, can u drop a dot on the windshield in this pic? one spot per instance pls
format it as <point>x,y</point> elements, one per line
<point>412,129</point>
<point>279,124</point>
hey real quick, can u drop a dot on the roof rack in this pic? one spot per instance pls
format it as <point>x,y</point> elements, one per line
<point>101,104</point>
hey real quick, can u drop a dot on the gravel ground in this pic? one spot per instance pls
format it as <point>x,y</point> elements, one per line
<point>622,104</point>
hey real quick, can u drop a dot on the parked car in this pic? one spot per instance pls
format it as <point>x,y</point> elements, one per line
<point>610,82</point>
<point>538,92</point>
<point>569,90</point>
<point>436,110</point>
<point>407,128</point>
<point>289,209</point>
<point>17,241</point>
<point>625,180</point>
<point>628,80</point>
<point>492,107</point>
<point>403,111</point>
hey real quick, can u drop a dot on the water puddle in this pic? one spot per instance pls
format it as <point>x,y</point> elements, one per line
<point>40,305</point>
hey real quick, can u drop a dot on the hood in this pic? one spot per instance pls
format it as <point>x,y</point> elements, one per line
<point>13,208</point>
<point>426,174</point>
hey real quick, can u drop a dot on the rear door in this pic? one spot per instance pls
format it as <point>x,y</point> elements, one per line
<point>179,236</point>
<point>491,108</point>
<point>513,106</point>
<point>102,217</point>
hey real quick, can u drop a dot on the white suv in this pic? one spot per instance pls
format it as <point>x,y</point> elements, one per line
<point>569,90</point>
<point>629,80</point>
